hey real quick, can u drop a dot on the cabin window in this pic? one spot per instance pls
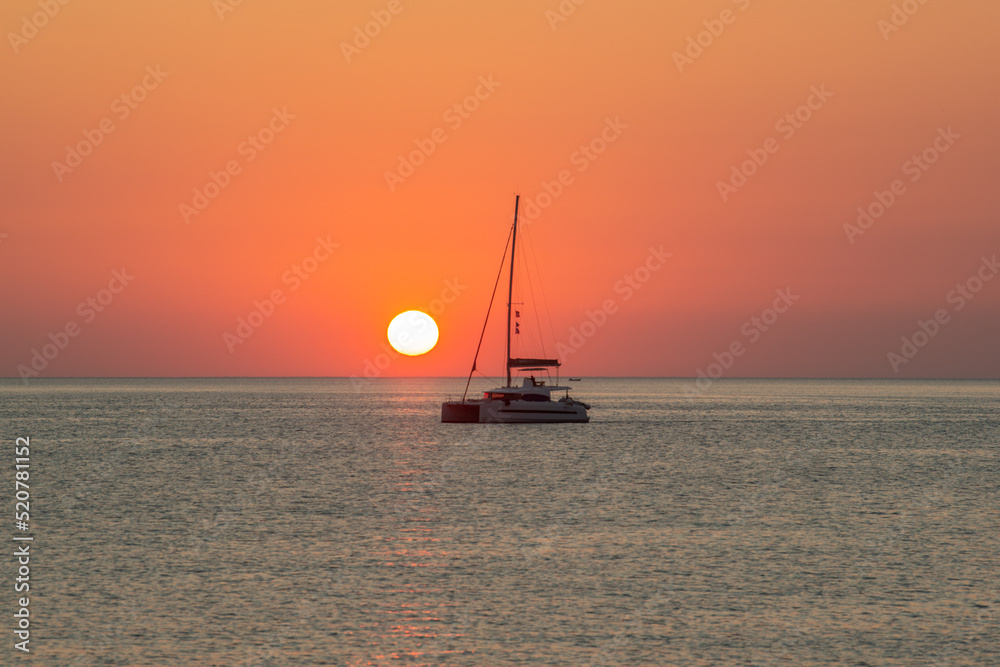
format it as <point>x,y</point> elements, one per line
<point>504,396</point>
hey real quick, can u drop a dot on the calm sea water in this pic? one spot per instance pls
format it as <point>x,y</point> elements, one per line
<point>298,522</point>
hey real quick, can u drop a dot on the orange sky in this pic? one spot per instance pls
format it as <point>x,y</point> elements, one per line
<point>309,128</point>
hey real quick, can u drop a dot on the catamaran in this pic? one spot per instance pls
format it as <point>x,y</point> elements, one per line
<point>530,402</point>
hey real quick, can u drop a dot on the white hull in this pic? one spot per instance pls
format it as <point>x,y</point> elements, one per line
<point>513,412</point>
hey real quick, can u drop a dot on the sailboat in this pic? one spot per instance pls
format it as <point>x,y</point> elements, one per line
<point>530,402</point>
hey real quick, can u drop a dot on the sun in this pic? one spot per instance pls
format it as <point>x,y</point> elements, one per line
<point>413,333</point>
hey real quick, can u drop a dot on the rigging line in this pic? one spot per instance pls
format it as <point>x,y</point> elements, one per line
<point>548,311</point>
<point>545,304</point>
<point>531,291</point>
<point>523,342</point>
<point>517,301</point>
<point>493,381</point>
<point>488,310</point>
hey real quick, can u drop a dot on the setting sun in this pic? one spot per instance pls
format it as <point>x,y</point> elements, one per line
<point>413,333</point>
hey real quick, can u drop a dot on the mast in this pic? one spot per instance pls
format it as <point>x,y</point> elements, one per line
<point>510,285</point>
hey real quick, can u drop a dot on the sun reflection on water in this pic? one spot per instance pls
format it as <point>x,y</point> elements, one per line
<point>417,621</point>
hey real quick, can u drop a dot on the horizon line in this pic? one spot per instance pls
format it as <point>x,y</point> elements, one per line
<point>463,377</point>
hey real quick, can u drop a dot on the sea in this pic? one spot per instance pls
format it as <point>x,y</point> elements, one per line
<point>328,522</point>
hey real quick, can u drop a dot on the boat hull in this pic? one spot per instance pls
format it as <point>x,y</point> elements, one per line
<point>512,412</point>
<point>455,412</point>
